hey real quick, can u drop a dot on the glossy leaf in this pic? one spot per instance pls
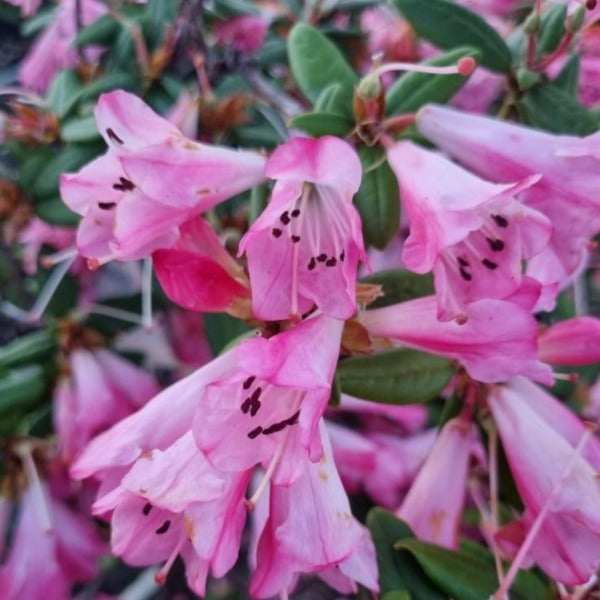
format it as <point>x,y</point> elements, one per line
<point>101,31</point>
<point>27,348</point>
<point>568,78</point>
<point>64,92</point>
<point>22,386</point>
<point>413,90</point>
<point>399,376</point>
<point>321,123</point>
<point>80,129</point>
<point>553,29</point>
<point>56,212</point>
<point>448,25</point>
<point>399,285</point>
<point>316,63</point>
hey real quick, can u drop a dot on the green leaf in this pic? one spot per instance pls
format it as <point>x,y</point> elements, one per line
<point>399,285</point>
<point>547,107</point>
<point>27,348</point>
<point>316,63</point>
<point>553,29</point>
<point>399,376</point>
<point>322,123</point>
<point>468,574</point>
<point>64,93</point>
<point>378,198</point>
<point>334,99</point>
<point>107,83</point>
<point>220,329</point>
<point>414,90</point>
<point>568,78</point>
<point>448,25</point>
<point>21,387</point>
<point>38,22</point>
<point>80,129</point>
<point>56,212</point>
<point>398,571</point>
<point>102,31</point>
<point>397,595</point>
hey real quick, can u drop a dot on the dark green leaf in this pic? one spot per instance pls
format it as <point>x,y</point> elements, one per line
<point>316,63</point>
<point>547,107</point>
<point>468,574</point>
<point>399,376</point>
<point>378,198</point>
<point>38,22</point>
<point>553,29</point>
<point>397,595</point>
<point>27,348</point>
<point>568,78</point>
<point>56,212</point>
<point>80,129</point>
<point>335,99</point>
<point>321,123</point>
<point>259,198</point>
<point>107,83</point>
<point>414,90</point>
<point>448,25</point>
<point>221,329</point>
<point>272,51</point>
<point>21,387</point>
<point>64,92</point>
<point>398,571</point>
<point>102,31</point>
<point>399,285</point>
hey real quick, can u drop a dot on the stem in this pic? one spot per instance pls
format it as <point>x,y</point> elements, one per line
<point>561,48</point>
<point>251,502</point>
<point>147,293</point>
<point>493,454</point>
<point>539,520</point>
<point>50,287</point>
<point>416,68</point>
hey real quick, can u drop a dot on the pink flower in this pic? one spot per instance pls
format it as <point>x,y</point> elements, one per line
<point>434,504</point>
<point>473,234</point>
<point>305,247</point>
<point>333,545</point>
<point>270,401</point>
<point>151,180</point>
<point>45,559</point>
<point>567,193</point>
<point>100,390</point>
<point>245,33</point>
<point>52,50</point>
<point>539,436</point>
<point>497,341</point>
<point>198,273</point>
<point>36,234</point>
<point>572,342</point>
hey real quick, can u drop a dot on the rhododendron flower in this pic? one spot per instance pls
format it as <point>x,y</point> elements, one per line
<point>271,400</point>
<point>567,193</point>
<point>99,390</point>
<point>36,234</point>
<point>473,234</point>
<point>304,248</point>
<point>498,339</point>
<point>287,547</point>
<point>45,559</point>
<point>53,50</point>
<point>198,273</point>
<point>541,439</point>
<point>246,33</point>
<point>151,180</point>
<point>572,342</point>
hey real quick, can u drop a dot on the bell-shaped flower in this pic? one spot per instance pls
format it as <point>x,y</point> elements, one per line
<point>151,180</point>
<point>304,248</point>
<point>573,342</point>
<point>567,193</point>
<point>497,341</point>
<point>198,273</point>
<point>434,503</point>
<point>99,390</point>
<point>334,544</point>
<point>270,402</point>
<point>46,558</point>
<point>556,477</point>
<point>36,234</point>
<point>472,234</point>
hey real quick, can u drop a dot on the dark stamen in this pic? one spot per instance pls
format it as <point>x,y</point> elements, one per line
<point>113,136</point>
<point>276,232</point>
<point>254,408</point>
<point>466,276</point>
<point>106,205</point>
<point>462,262</point>
<point>495,245</point>
<point>127,184</point>
<point>246,385</point>
<point>331,262</point>
<point>164,527</point>
<point>295,239</point>
<point>342,255</point>
<point>255,432</point>
<point>295,212</point>
<point>500,221</point>
<point>312,263</point>
<point>322,257</point>
<point>256,394</point>
<point>489,264</point>
<point>294,418</point>
<point>147,508</point>
<point>245,405</point>
<point>275,427</point>
<point>285,217</point>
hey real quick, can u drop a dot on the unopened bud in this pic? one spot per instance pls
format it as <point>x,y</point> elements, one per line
<point>576,20</point>
<point>526,79</point>
<point>532,24</point>
<point>370,87</point>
